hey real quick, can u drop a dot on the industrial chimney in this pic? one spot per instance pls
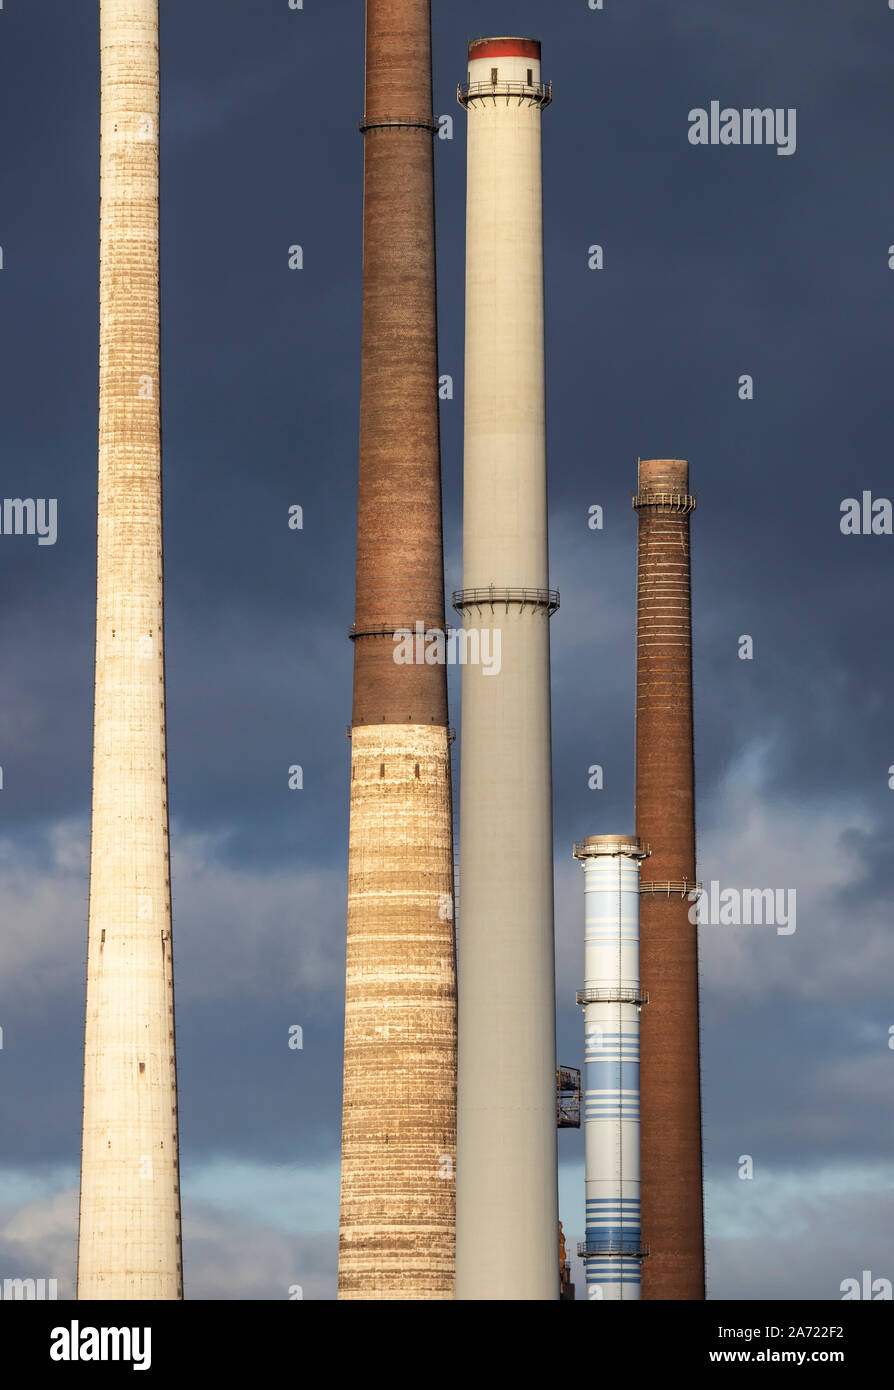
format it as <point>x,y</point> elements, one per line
<point>399,1111</point>
<point>507,1207</point>
<point>611,1000</point>
<point>129,1230</point>
<point>665,819</point>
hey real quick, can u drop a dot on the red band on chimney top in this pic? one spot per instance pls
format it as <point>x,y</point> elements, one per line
<point>505,48</point>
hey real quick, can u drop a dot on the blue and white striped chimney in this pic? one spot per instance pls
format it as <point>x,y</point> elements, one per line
<point>611,998</point>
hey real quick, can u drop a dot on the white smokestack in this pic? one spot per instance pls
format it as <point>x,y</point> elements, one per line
<point>611,1000</point>
<point>507,1206</point>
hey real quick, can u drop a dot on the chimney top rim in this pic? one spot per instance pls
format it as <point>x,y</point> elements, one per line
<point>504,46</point>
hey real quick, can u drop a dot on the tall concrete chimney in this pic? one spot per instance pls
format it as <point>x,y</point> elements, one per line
<point>399,1117</point>
<point>129,1229</point>
<point>507,1206</point>
<point>665,819</point>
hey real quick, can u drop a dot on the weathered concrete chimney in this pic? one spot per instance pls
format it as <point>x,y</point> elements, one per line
<point>129,1231</point>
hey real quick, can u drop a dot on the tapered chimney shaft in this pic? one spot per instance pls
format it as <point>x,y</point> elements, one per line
<point>665,819</point>
<point>399,1115</point>
<point>129,1230</point>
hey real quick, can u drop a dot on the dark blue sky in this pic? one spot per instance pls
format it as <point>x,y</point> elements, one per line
<point>718,262</point>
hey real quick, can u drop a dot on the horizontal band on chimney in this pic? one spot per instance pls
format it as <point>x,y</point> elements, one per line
<point>505,48</point>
